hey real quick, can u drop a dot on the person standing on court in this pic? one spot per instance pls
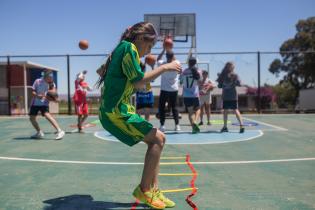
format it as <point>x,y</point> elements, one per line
<point>144,97</point>
<point>190,79</point>
<point>205,88</point>
<point>79,98</point>
<point>41,104</point>
<point>169,90</point>
<point>228,80</point>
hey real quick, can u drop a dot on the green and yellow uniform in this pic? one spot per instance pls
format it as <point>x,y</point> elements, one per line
<point>117,115</point>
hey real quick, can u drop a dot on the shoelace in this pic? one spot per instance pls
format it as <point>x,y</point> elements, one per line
<point>153,196</point>
<point>160,194</point>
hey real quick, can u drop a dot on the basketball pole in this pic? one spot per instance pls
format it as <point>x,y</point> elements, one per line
<point>9,84</point>
<point>258,88</point>
<point>69,93</point>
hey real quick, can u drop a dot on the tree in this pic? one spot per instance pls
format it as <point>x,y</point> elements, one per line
<point>267,95</point>
<point>285,94</point>
<point>298,57</point>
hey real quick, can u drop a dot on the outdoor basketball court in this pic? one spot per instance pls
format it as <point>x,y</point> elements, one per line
<point>270,166</point>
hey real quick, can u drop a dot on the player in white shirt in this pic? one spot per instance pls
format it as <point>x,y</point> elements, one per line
<point>169,90</point>
<point>41,104</point>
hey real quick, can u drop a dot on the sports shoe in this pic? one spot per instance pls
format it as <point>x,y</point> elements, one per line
<point>201,123</point>
<point>242,129</point>
<point>60,135</point>
<point>80,129</point>
<point>177,128</point>
<point>149,198</point>
<point>209,123</point>
<point>162,128</point>
<point>195,128</point>
<point>224,129</point>
<point>38,135</point>
<point>168,203</point>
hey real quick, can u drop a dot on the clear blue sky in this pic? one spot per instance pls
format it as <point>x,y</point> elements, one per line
<point>55,27</point>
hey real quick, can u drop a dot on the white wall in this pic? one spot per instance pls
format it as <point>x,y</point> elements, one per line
<point>307,99</point>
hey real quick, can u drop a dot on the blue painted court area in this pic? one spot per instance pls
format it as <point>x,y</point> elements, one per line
<point>204,137</point>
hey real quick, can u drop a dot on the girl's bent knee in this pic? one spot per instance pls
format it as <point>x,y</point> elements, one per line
<point>160,138</point>
<point>155,137</point>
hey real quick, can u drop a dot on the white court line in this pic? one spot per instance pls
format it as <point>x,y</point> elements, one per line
<point>163,163</point>
<point>267,124</point>
<point>280,114</point>
<point>97,135</point>
<point>253,161</point>
<point>96,116</point>
<point>68,161</point>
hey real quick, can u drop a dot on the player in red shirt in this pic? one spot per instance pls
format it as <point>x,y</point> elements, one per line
<point>79,98</point>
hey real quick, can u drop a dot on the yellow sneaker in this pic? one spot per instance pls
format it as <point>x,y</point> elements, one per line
<point>168,203</point>
<point>149,198</point>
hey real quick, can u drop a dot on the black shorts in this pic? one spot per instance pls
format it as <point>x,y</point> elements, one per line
<point>35,109</point>
<point>230,104</point>
<point>192,102</point>
<point>141,106</point>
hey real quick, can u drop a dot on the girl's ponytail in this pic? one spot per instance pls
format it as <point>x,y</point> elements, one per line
<point>102,71</point>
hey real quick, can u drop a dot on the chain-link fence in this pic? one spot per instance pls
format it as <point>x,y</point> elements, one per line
<point>260,89</point>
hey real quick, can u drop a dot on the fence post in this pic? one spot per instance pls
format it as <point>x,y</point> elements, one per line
<point>9,84</point>
<point>69,93</point>
<point>258,81</point>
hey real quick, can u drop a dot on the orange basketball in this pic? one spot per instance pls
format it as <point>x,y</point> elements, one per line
<point>83,44</point>
<point>150,59</point>
<point>168,43</point>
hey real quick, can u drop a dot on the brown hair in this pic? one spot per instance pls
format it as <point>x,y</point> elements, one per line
<point>144,29</point>
<point>226,73</point>
<point>205,72</point>
<point>192,61</point>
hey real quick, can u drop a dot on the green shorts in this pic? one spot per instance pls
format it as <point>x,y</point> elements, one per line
<point>128,128</point>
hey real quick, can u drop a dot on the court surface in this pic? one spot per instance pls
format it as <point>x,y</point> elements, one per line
<point>270,166</point>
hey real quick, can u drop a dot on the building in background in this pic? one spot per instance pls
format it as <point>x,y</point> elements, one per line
<point>306,102</point>
<point>16,86</point>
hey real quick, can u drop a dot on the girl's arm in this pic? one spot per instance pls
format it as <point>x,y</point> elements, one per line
<point>89,88</point>
<point>40,96</point>
<point>151,75</point>
<point>237,81</point>
<point>160,55</point>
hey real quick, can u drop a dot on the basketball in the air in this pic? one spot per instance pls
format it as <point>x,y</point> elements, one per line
<point>150,59</point>
<point>83,44</point>
<point>168,43</point>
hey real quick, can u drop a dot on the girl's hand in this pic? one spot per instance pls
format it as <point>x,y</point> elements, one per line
<point>173,66</point>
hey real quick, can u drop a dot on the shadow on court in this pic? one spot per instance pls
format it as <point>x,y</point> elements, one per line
<point>34,139</point>
<point>86,202</point>
<point>52,137</point>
